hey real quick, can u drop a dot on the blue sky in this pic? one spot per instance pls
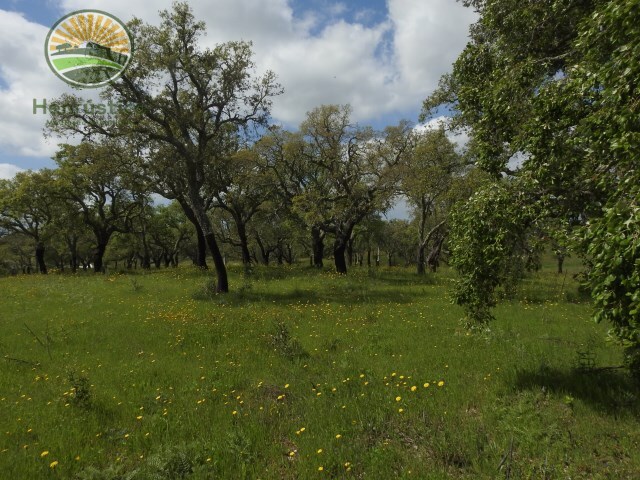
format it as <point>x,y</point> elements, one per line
<point>40,11</point>
<point>46,12</point>
<point>381,56</point>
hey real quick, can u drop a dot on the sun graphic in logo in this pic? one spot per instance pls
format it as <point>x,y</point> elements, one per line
<point>88,48</point>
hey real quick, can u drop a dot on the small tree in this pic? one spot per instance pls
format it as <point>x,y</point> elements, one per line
<point>191,101</point>
<point>427,179</point>
<point>95,180</point>
<point>27,208</point>
<point>356,173</point>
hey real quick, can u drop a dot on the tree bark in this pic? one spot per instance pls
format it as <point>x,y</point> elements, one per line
<point>339,256</point>
<point>244,242</point>
<point>340,247</point>
<point>317,242</point>
<point>222,283</point>
<point>98,256</point>
<point>421,259</point>
<point>72,244</point>
<point>264,255</point>
<point>560,259</point>
<point>42,266</point>
<point>434,257</point>
<point>201,252</point>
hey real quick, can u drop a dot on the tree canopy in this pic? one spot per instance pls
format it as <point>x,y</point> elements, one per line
<point>553,83</point>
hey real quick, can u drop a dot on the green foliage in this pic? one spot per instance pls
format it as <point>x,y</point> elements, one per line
<point>556,82</point>
<point>490,246</point>
<point>285,344</point>
<point>613,245</point>
<point>343,172</point>
<point>80,389</point>
<point>207,291</point>
<point>171,464</point>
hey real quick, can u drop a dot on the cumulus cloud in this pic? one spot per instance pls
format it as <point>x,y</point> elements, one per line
<point>428,36</point>
<point>459,137</point>
<point>26,76</point>
<point>8,170</point>
<point>383,69</point>
<point>379,69</point>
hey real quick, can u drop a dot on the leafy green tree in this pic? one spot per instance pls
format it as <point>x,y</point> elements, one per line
<point>557,82</point>
<point>427,179</point>
<point>171,229</point>
<point>192,101</point>
<point>356,173</point>
<point>164,176</point>
<point>26,208</point>
<point>246,185</point>
<point>16,253</point>
<point>490,245</point>
<point>398,241</point>
<point>98,182</point>
<point>283,153</point>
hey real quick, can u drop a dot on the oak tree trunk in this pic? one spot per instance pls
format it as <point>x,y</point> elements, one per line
<point>317,243</point>
<point>42,266</point>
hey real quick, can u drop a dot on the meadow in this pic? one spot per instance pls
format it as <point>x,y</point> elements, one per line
<point>305,374</point>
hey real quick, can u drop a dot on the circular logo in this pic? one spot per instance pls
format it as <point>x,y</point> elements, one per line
<point>88,48</point>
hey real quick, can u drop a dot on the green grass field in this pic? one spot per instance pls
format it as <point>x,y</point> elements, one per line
<point>304,374</point>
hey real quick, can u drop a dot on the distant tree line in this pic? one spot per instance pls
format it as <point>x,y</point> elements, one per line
<point>197,132</point>
<point>546,91</point>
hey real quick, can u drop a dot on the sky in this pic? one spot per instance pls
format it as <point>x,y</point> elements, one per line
<point>381,57</point>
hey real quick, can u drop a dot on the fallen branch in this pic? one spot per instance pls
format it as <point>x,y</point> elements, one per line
<point>19,360</point>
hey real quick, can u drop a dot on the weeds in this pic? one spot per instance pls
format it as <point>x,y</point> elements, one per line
<point>80,389</point>
<point>207,291</point>
<point>284,344</point>
<point>136,286</point>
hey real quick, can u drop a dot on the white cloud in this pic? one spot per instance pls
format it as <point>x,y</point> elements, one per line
<point>381,70</point>
<point>337,8</point>
<point>317,70</point>
<point>459,137</point>
<point>428,37</point>
<point>7,170</point>
<point>27,77</point>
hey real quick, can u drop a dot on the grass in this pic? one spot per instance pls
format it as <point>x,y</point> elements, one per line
<point>305,374</point>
